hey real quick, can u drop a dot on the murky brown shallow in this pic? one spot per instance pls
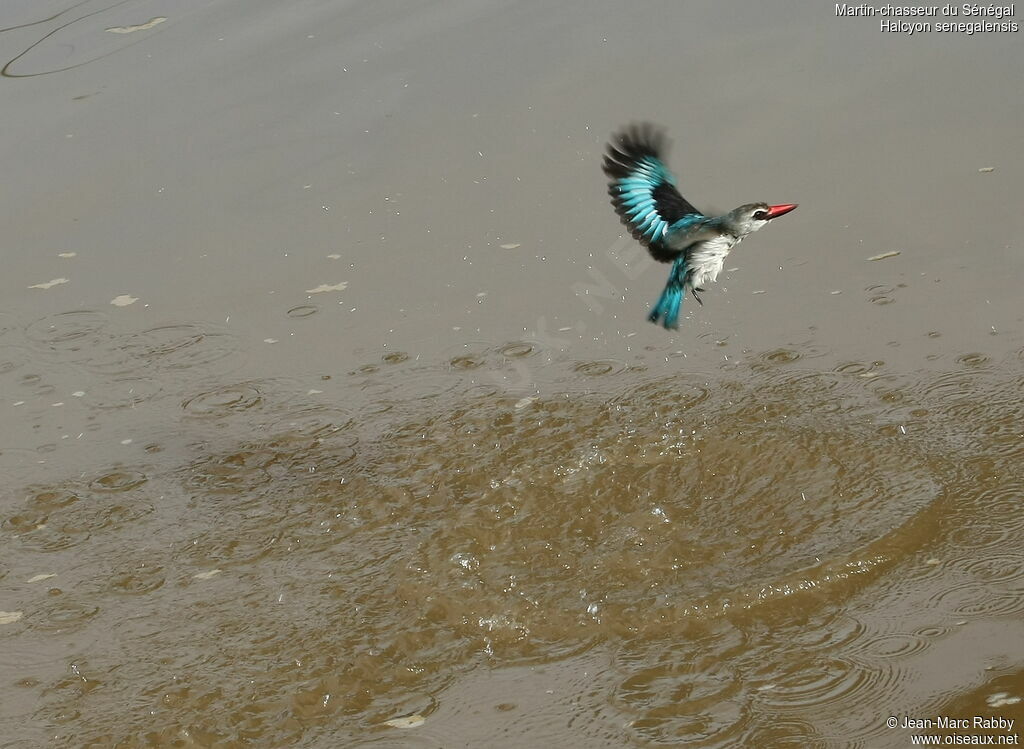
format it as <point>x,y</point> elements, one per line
<point>763,555</point>
<point>330,416</point>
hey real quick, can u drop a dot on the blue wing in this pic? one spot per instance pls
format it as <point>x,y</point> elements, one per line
<point>644,191</point>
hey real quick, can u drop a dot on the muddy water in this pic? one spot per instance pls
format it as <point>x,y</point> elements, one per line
<point>331,417</point>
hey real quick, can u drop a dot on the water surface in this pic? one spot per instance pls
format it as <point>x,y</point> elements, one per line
<point>331,416</point>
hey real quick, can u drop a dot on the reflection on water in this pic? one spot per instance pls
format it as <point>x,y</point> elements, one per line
<point>769,555</point>
<point>77,35</point>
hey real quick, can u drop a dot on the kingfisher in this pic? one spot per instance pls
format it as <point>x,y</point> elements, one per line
<point>644,195</point>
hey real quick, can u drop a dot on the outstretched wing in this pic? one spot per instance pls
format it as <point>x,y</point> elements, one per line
<point>642,188</point>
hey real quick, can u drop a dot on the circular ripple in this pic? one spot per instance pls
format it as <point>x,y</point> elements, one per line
<point>62,616</point>
<point>224,400</point>
<point>996,604</point>
<point>880,294</point>
<point>44,524</point>
<point>779,356</point>
<point>482,391</point>
<point>811,350</point>
<point>137,581</point>
<point>118,481</point>
<point>972,360</point>
<point>946,386</point>
<point>517,349</point>
<point>994,568</point>
<point>179,347</point>
<point>240,471</point>
<point>893,645</point>
<point>784,732</point>
<point>467,361</point>
<point>303,310</point>
<point>821,683</point>
<point>318,422</point>
<point>680,396</point>
<point>56,536</point>
<point>999,527</point>
<point>67,331</point>
<point>854,368</point>
<point>118,516</point>
<point>23,523</point>
<point>600,367</point>
<point>932,631</point>
<point>50,500</point>
<point>968,599</point>
<point>838,631</point>
<point>977,537</point>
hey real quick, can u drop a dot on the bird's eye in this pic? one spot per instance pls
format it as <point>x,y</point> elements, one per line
<point>761,215</point>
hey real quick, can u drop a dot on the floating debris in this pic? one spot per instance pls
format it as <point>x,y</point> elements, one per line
<point>837,291</point>
<point>49,284</point>
<point>323,288</point>
<point>524,402</point>
<point>987,169</point>
<point>884,255</point>
<point>334,256</point>
<point>40,578</point>
<point>408,721</point>
<point>140,27</point>
<point>511,245</point>
<point>10,617</point>
<point>66,255</point>
<point>124,300</point>
<point>206,575</point>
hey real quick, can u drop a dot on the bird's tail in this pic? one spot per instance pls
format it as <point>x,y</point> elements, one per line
<point>666,311</point>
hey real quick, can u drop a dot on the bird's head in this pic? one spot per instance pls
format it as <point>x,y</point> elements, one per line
<point>752,216</point>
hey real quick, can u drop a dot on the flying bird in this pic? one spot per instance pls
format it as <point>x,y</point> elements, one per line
<point>644,195</point>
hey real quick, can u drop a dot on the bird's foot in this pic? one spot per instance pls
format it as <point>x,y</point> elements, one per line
<point>694,291</point>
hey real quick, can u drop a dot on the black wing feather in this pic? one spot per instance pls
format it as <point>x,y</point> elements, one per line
<point>642,188</point>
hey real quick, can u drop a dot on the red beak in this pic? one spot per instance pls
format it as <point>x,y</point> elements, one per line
<point>774,211</point>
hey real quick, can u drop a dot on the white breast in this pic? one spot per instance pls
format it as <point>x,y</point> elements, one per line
<point>705,260</point>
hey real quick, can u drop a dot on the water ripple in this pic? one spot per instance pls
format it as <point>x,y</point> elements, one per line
<point>224,400</point>
<point>75,331</point>
<point>731,541</point>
